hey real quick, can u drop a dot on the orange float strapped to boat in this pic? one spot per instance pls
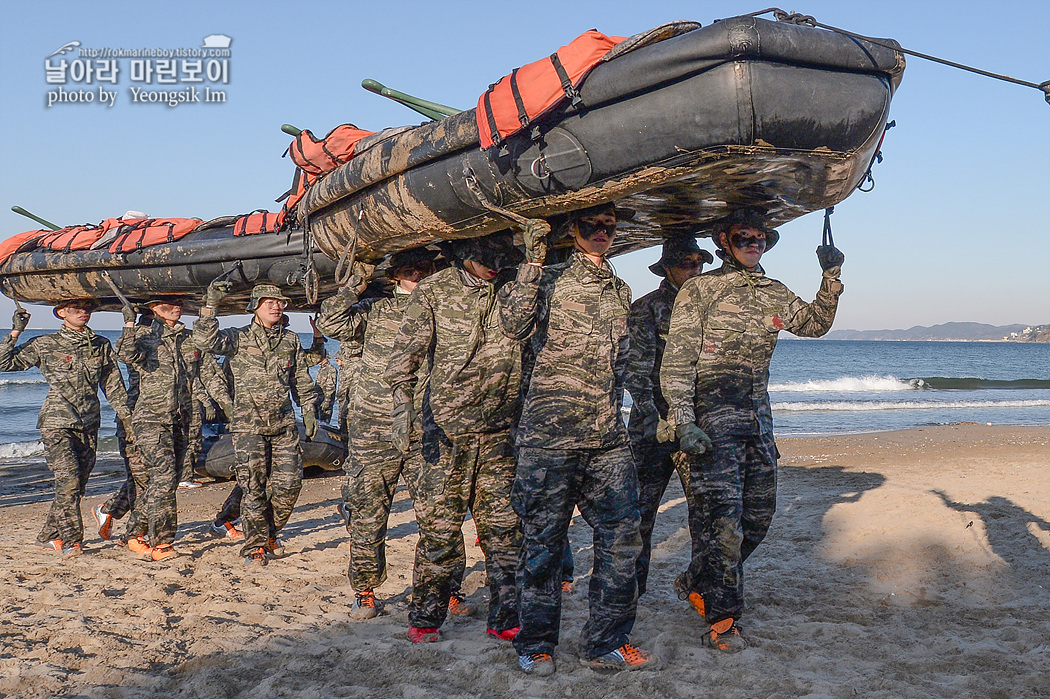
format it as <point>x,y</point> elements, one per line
<point>515,100</point>
<point>318,156</point>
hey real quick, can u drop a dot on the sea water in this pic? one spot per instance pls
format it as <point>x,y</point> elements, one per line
<point>816,387</point>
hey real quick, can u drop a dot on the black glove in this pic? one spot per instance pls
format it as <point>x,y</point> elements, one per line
<point>216,293</point>
<point>310,423</point>
<point>129,314</point>
<point>692,439</point>
<point>20,320</point>
<point>829,257</point>
<point>401,432</point>
<point>535,236</point>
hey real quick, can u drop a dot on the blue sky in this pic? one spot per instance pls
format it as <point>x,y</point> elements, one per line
<point>954,230</point>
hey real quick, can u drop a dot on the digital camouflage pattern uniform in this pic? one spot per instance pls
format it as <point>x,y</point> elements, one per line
<point>715,373</point>
<point>327,379</point>
<point>573,448</point>
<point>166,363</point>
<point>119,504</point>
<point>647,326</point>
<point>266,366</point>
<point>347,359</point>
<point>75,364</point>
<point>373,465</point>
<point>452,323</point>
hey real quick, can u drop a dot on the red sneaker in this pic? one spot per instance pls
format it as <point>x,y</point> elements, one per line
<point>506,634</point>
<point>423,635</point>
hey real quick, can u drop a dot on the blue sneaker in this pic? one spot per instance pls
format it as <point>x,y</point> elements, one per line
<point>539,664</point>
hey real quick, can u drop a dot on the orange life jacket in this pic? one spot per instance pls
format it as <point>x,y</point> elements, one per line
<point>318,156</point>
<point>137,233</point>
<point>518,99</point>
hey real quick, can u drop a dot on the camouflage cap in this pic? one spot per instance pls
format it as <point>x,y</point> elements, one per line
<point>749,216</point>
<point>409,258</point>
<point>495,251</point>
<point>265,291</point>
<point>173,300</point>
<point>677,249</point>
<point>89,304</point>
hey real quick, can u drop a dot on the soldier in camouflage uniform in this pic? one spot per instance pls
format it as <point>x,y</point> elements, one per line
<point>120,503</point>
<point>327,379</point>
<point>267,364</point>
<point>572,443</point>
<point>653,442</point>
<point>374,464</point>
<point>452,323</point>
<point>76,363</point>
<point>714,377</point>
<point>166,363</point>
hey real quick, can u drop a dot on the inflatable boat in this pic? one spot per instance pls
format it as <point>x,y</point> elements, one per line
<point>682,124</point>
<point>325,451</point>
<point>44,268</point>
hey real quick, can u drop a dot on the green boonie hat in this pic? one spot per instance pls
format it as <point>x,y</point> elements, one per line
<point>265,291</point>
<point>495,251</point>
<point>677,249</point>
<point>173,300</point>
<point>409,258</point>
<point>89,303</point>
<point>752,217</point>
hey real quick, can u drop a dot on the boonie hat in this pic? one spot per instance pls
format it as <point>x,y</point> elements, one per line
<point>677,249</point>
<point>265,291</point>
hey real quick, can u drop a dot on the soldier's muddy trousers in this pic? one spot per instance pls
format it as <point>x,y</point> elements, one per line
<point>656,464</point>
<point>373,470</point>
<point>603,483</point>
<point>270,472</point>
<point>71,456</point>
<point>124,499</point>
<point>154,511</point>
<point>474,471</point>
<point>736,484</point>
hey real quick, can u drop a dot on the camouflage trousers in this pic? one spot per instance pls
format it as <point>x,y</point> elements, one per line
<point>71,456</point>
<point>475,472</point>
<point>154,512</point>
<point>121,502</point>
<point>656,464</point>
<point>372,472</point>
<point>194,443</point>
<point>270,472</point>
<point>736,486</point>
<point>231,507</point>
<point>603,483</point>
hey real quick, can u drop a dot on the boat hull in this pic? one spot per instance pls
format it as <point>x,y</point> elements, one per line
<point>181,268</point>
<point>743,112</point>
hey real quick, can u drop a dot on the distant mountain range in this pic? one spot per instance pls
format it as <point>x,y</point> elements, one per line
<point>959,332</point>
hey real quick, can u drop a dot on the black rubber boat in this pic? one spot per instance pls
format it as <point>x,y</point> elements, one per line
<point>682,124</point>
<point>184,268</point>
<point>325,451</point>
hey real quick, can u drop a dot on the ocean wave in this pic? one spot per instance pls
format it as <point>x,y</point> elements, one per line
<point>875,405</point>
<point>845,384</point>
<point>22,380</point>
<point>20,450</point>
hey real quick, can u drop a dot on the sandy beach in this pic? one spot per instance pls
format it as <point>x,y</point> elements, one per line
<point>900,564</point>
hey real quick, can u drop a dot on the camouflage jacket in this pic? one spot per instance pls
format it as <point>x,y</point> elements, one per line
<point>452,323</point>
<point>212,383</point>
<point>326,380</point>
<point>724,328</point>
<point>376,322</point>
<point>167,365</point>
<point>647,326</point>
<point>75,364</point>
<point>266,365</point>
<point>576,316</point>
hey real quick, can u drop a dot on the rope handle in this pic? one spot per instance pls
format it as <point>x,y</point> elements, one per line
<point>826,238</point>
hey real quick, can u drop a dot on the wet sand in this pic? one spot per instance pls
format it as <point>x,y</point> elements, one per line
<point>903,564</point>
